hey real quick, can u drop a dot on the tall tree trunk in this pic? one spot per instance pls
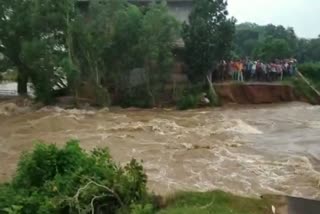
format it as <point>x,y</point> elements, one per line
<point>23,78</point>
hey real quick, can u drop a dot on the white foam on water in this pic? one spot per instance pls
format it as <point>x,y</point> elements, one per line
<point>238,126</point>
<point>193,150</point>
<point>240,173</point>
<point>9,109</point>
<point>60,110</point>
<point>313,124</point>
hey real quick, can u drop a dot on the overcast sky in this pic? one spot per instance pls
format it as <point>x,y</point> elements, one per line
<point>303,15</point>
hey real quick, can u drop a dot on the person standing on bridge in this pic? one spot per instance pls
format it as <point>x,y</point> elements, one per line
<point>239,71</point>
<point>234,69</point>
<point>264,71</point>
<point>253,70</point>
<point>247,72</point>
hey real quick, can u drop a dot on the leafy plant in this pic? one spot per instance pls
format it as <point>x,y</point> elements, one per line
<point>189,97</point>
<point>136,97</point>
<point>188,102</point>
<point>69,180</point>
<point>271,49</point>
<point>311,71</point>
<point>13,209</point>
<point>208,37</point>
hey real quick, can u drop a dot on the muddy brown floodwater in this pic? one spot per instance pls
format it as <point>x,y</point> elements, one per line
<point>250,150</point>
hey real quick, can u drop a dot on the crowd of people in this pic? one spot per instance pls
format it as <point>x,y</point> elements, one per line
<point>249,70</point>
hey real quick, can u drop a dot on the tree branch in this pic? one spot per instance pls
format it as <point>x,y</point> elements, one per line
<point>109,190</point>
<point>91,182</point>
<point>92,202</point>
<point>2,49</point>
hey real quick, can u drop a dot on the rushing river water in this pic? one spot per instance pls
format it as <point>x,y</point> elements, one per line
<point>249,150</point>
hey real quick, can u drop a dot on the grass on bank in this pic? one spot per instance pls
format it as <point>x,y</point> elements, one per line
<point>311,72</point>
<point>214,202</point>
<point>303,90</point>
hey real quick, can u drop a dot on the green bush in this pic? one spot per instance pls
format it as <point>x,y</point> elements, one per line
<point>190,97</point>
<point>43,89</point>
<point>303,90</point>
<point>136,97</point>
<point>188,102</point>
<point>311,71</point>
<point>69,180</point>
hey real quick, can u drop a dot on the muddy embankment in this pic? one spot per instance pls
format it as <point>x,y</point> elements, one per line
<point>257,93</point>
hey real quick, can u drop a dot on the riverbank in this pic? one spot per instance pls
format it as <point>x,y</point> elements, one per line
<point>226,203</point>
<point>216,202</point>
<point>259,93</point>
<point>228,93</point>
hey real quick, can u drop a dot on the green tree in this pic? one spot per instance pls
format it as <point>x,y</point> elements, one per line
<point>44,53</point>
<point>272,49</point>
<point>249,36</point>
<point>52,42</point>
<point>113,37</point>
<point>280,32</point>
<point>92,37</point>
<point>309,50</point>
<point>122,55</point>
<point>4,63</point>
<point>132,39</point>
<point>15,28</point>
<point>159,32</point>
<point>208,36</point>
<point>32,37</point>
<point>246,39</point>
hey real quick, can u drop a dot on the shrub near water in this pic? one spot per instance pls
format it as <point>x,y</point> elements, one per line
<point>311,70</point>
<point>69,180</point>
<point>189,101</point>
<point>190,97</point>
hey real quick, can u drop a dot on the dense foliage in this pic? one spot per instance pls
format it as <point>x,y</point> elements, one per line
<point>59,44</point>
<point>111,51</point>
<point>310,70</point>
<point>271,42</point>
<point>31,38</point>
<point>307,87</point>
<point>69,180</point>
<point>309,50</point>
<point>208,37</point>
